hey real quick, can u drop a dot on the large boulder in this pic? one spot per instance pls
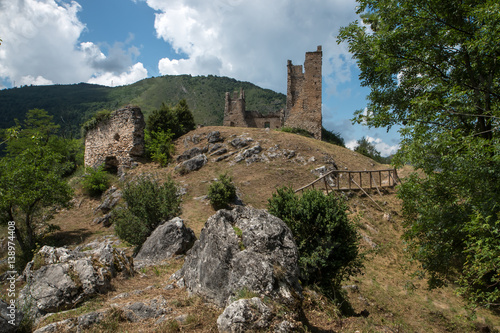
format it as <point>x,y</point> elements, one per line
<point>59,278</point>
<point>245,315</point>
<point>245,248</point>
<point>10,318</point>
<point>192,164</point>
<point>169,239</point>
<point>188,154</point>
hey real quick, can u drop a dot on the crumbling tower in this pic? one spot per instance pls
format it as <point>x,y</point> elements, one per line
<point>234,110</point>
<point>303,98</point>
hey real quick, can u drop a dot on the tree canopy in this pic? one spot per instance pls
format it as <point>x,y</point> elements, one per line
<point>433,69</point>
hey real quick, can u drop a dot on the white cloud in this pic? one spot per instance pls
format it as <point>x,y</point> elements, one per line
<point>252,40</point>
<point>135,73</point>
<point>41,45</point>
<point>382,147</point>
<point>38,81</point>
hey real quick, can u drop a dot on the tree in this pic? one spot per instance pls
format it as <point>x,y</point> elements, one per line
<point>178,120</point>
<point>31,178</point>
<point>365,147</point>
<point>433,69</point>
<point>30,183</point>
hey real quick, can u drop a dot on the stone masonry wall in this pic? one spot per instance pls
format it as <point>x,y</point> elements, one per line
<point>117,141</point>
<point>303,100</point>
<point>236,115</point>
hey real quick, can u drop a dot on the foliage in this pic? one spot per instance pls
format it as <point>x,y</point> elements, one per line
<point>159,146</point>
<point>92,123</point>
<point>327,241</point>
<point>366,148</point>
<point>432,69</point>
<point>296,130</point>
<point>178,120</point>
<point>39,129</point>
<point>95,181</point>
<point>149,203</point>
<point>332,137</point>
<point>480,282</point>
<point>30,183</point>
<point>222,192</point>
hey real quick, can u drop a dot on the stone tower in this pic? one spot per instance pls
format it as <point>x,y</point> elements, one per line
<point>303,98</point>
<point>234,110</point>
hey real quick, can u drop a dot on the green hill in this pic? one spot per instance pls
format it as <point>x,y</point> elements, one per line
<point>72,105</point>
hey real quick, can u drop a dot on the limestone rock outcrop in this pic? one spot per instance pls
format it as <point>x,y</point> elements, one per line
<point>169,239</point>
<point>244,315</point>
<point>58,278</point>
<point>242,248</point>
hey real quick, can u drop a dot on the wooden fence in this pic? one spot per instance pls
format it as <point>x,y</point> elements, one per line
<point>343,180</point>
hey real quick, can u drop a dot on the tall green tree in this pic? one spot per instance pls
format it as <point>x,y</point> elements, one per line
<point>31,179</point>
<point>433,69</point>
<point>367,148</point>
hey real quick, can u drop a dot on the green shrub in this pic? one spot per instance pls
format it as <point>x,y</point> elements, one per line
<point>296,130</point>
<point>159,146</point>
<point>327,241</point>
<point>332,137</point>
<point>222,192</point>
<point>92,123</point>
<point>95,181</point>
<point>148,204</point>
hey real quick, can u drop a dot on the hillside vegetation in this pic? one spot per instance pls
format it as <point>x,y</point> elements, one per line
<point>72,105</point>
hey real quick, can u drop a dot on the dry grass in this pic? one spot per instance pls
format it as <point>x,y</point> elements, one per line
<point>387,298</point>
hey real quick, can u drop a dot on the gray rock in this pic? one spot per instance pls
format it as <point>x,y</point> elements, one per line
<point>289,153</point>
<point>214,137</point>
<point>219,152</point>
<point>110,198</point>
<point>59,278</point>
<point>240,142</point>
<point>244,315</point>
<point>188,154</point>
<point>193,164</point>
<point>67,325</point>
<point>10,317</point>
<point>139,311</point>
<point>285,327</point>
<point>89,319</point>
<point>169,239</point>
<point>242,248</point>
<point>104,220</point>
<point>78,324</point>
<point>214,147</point>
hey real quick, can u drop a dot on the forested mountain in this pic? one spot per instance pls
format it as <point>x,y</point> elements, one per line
<point>72,105</point>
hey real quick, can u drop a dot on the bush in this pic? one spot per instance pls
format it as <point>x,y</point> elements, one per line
<point>326,240</point>
<point>332,137</point>
<point>296,130</point>
<point>159,146</point>
<point>222,192</point>
<point>95,181</point>
<point>148,204</point>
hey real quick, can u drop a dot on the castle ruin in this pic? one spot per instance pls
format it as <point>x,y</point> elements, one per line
<point>116,142</point>
<point>303,101</point>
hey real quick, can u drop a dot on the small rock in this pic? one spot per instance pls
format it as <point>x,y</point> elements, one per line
<point>240,142</point>
<point>10,318</point>
<point>192,164</point>
<point>214,137</point>
<point>188,154</point>
<point>244,315</point>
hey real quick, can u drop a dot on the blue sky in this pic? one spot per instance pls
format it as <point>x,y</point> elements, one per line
<point>117,42</point>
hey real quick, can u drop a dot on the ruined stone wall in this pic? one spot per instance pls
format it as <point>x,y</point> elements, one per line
<point>303,100</point>
<point>117,141</point>
<point>256,119</point>
<point>234,110</point>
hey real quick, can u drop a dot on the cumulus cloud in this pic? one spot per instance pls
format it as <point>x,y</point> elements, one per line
<point>252,40</point>
<point>381,146</point>
<point>135,73</point>
<point>41,45</point>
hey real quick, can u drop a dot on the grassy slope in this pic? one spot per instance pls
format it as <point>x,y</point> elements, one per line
<point>394,300</point>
